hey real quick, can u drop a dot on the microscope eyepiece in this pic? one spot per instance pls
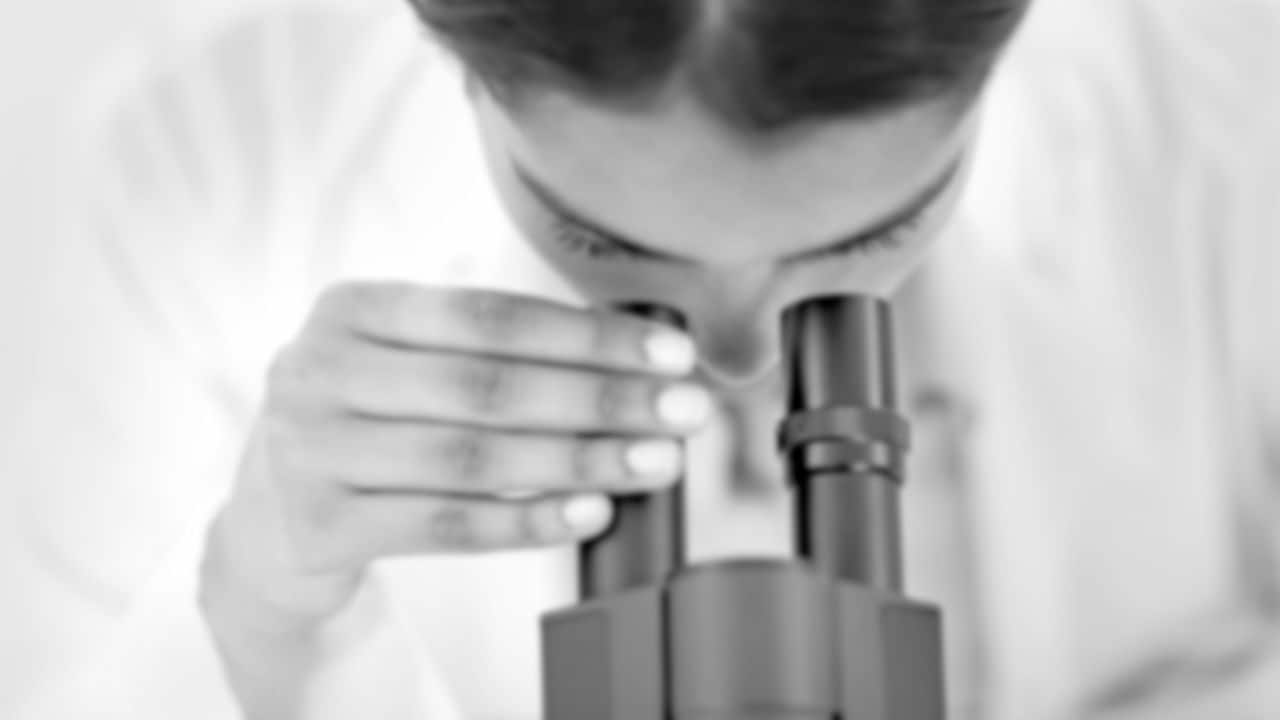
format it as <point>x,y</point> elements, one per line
<point>841,387</point>
<point>645,544</point>
<point>842,439</point>
<point>840,352</point>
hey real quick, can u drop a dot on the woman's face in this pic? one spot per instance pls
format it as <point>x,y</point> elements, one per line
<point>666,205</point>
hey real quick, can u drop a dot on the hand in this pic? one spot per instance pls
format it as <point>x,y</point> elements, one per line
<point>409,420</point>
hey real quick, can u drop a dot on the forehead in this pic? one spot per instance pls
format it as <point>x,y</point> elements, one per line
<point>670,174</point>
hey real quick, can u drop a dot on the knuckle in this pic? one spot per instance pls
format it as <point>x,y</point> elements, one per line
<point>316,529</point>
<point>313,371</point>
<point>606,336</point>
<point>584,461</point>
<point>450,525</point>
<point>464,455</point>
<point>486,385</point>
<point>529,530</point>
<point>359,303</point>
<point>614,401</point>
<point>493,315</point>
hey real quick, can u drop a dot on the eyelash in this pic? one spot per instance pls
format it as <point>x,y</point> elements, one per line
<point>894,238</point>
<point>584,241</point>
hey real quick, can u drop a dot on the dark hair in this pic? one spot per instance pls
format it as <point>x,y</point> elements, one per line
<point>762,64</point>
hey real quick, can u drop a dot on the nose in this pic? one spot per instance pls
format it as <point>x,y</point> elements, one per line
<point>736,330</point>
<point>737,356</point>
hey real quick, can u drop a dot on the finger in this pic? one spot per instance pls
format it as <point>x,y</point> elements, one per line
<point>494,323</point>
<point>379,456</point>
<point>369,526</point>
<point>448,388</point>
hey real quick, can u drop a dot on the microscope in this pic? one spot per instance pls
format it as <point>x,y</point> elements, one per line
<point>826,635</point>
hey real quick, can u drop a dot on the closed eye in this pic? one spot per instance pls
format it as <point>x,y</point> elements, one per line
<point>890,239</point>
<point>581,237</point>
<point>593,244</point>
<point>580,240</point>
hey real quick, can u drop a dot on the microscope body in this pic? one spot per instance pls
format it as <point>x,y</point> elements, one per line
<point>828,635</point>
<point>745,640</point>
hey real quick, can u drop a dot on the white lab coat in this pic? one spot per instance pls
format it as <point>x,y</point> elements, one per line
<point>1097,511</point>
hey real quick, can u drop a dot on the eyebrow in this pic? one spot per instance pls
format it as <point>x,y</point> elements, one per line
<point>918,203</point>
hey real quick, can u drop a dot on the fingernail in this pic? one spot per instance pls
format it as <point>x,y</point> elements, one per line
<point>684,406</point>
<point>670,351</point>
<point>660,458</point>
<point>587,513</point>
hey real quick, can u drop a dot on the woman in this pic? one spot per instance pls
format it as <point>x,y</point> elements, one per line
<point>1086,526</point>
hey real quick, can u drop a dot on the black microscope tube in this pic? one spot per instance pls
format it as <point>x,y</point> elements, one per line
<point>645,543</point>
<point>844,471</point>
<point>849,527</point>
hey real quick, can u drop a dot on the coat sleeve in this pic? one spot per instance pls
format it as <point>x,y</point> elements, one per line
<point>1221,108</point>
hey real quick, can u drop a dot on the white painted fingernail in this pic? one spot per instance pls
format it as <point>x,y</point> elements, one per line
<point>587,513</point>
<point>671,351</point>
<point>655,458</point>
<point>687,407</point>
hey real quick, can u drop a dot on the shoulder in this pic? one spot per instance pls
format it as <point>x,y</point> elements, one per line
<point>1149,71</point>
<point>1111,112</point>
<point>203,158</point>
<point>196,165</point>
<point>216,117</point>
